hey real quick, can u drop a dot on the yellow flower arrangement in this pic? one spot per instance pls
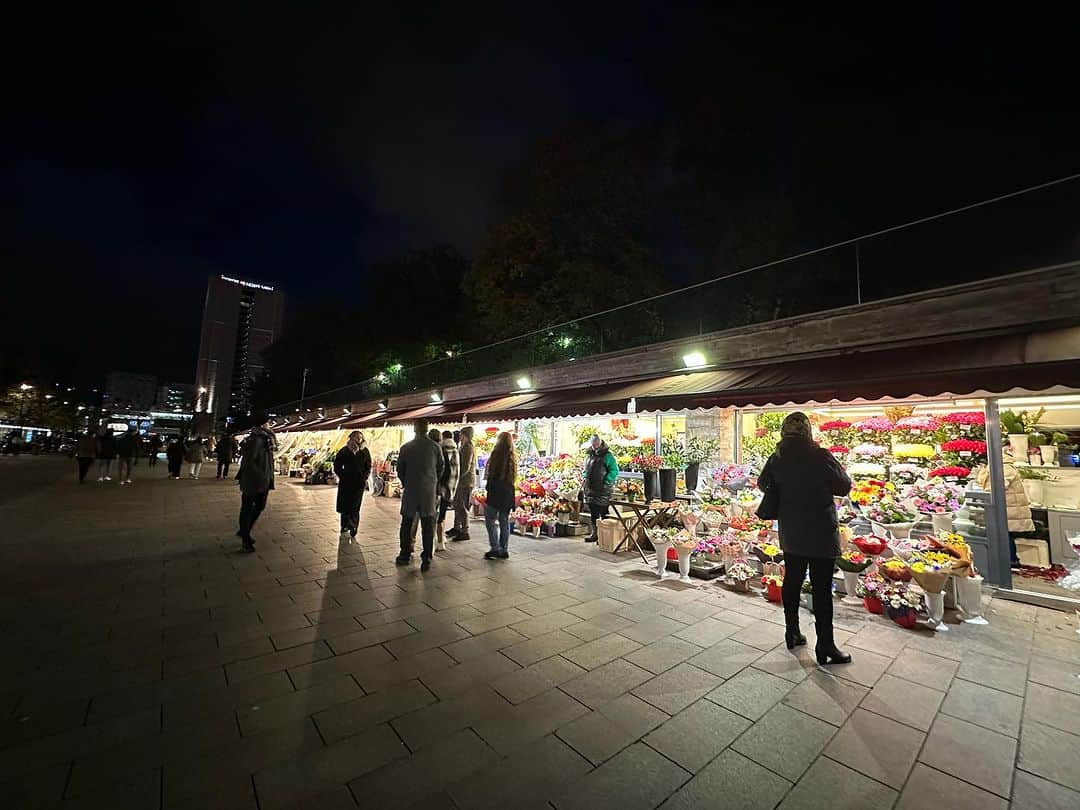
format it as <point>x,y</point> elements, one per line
<point>894,564</point>
<point>769,550</point>
<point>913,451</point>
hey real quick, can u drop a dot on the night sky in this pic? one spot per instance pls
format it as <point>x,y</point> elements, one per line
<point>296,144</point>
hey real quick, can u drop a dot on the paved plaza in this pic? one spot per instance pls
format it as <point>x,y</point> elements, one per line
<point>147,664</point>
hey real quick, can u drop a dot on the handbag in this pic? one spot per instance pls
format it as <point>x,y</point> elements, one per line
<point>769,508</point>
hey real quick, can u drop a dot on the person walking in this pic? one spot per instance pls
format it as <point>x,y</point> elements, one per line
<point>352,465</point>
<point>256,477</point>
<point>500,480</point>
<point>154,447</point>
<point>127,450</point>
<point>800,480</point>
<point>447,485</point>
<point>85,451</point>
<point>598,482</point>
<point>174,455</point>
<point>106,452</point>
<point>197,455</point>
<point>465,485</point>
<point>226,452</point>
<point>419,466</point>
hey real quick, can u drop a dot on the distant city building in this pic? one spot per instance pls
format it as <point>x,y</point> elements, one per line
<point>124,389</point>
<point>174,396</point>
<point>240,320</point>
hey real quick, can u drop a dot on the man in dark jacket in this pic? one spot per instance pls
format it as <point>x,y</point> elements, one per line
<point>419,465</point>
<point>801,480</point>
<point>352,465</point>
<point>598,483</point>
<point>226,451</point>
<point>154,449</point>
<point>127,449</point>
<point>106,452</point>
<point>174,455</point>
<point>256,477</point>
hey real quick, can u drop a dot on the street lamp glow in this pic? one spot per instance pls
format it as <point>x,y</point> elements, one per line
<point>694,360</point>
<point>48,396</point>
<point>436,397</point>
<point>25,387</point>
<point>524,383</point>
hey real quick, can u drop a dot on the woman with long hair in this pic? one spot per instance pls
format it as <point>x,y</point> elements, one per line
<point>501,476</point>
<point>800,479</point>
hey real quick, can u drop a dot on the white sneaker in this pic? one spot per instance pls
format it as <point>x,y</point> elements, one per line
<point>100,478</point>
<point>108,478</point>
<point>128,481</point>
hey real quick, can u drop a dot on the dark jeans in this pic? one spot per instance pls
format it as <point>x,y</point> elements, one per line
<point>499,540</point>
<point>251,506</point>
<point>84,467</point>
<point>427,532</point>
<point>821,571</point>
<point>223,469</point>
<point>597,512</point>
<point>153,459</point>
<point>174,468</point>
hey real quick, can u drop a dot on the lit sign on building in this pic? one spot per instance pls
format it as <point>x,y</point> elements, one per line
<point>251,284</point>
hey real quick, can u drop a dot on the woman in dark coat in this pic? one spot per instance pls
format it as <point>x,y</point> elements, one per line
<point>352,465</point>
<point>500,480</point>
<point>801,478</point>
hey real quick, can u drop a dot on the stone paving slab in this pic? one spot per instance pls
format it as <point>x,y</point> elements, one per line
<point>149,664</point>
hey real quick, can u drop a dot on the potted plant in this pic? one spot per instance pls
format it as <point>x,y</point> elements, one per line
<point>774,584</point>
<point>649,466</point>
<point>900,603</point>
<point>890,518</point>
<point>1032,481</point>
<point>895,569</point>
<point>697,452</point>
<point>739,574</point>
<point>1064,448</point>
<point>1013,427</point>
<point>938,499</point>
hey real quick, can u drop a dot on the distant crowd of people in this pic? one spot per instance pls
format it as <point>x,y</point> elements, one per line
<point>106,448</point>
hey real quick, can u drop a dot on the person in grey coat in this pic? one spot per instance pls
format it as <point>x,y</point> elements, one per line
<point>256,477</point>
<point>419,466</point>
<point>447,484</point>
<point>465,484</point>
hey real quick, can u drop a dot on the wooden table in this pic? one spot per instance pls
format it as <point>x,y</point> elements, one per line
<point>635,515</point>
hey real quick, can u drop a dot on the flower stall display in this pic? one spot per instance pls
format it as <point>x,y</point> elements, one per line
<point>564,508</point>
<point>916,430</point>
<point>851,564</point>
<point>739,574</point>
<point>891,519</point>
<point>747,501</point>
<point>915,453</point>
<point>629,490</point>
<point>714,520</point>
<point>869,451</point>
<point>840,452</point>
<point>964,452</point>
<point>649,466</point>
<point>838,432</point>
<point>906,474</point>
<point>768,553</point>
<point>714,498</point>
<point>895,569</point>
<point>870,589</point>
<point>937,498</point>
<point>866,469</point>
<point>730,547</point>
<point>733,477</point>
<point>875,429</point>
<point>900,603</point>
<point>963,425</point>
<point>952,474</point>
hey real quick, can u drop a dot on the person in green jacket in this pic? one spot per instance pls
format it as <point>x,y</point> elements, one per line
<point>601,470</point>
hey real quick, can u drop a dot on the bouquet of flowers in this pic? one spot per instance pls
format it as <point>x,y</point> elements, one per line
<point>870,545</point>
<point>870,586</point>
<point>876,427</point>
<point>714,519</point>
<point>748,500</point>
<point>754,527</point>
<point>775,580</point>
<point>887,512</point>
<point>895,569</point>
<point>630,489</point>
<point>768,553</point>
<point>929,573</point>
<point>868,492</point>
<point>963,425</point>
<point>730,545</point>
<point>969,452</point>
<point>647,463</point>
<point>853,562</point>
<point>684,540</point>
<point>715,496</point>
<point>935,497</point>
<point>957,547</point>
<point>916,429</point>
<point>839,451</point>
<point>733,477</point>
<point>739,574</point>
<point>898,598</point>
<point>709,546</point>
<point>951,473</point>
<point>662,535</point>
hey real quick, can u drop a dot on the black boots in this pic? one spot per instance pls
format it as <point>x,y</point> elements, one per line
<point>793,638</point>
<point>826,649</point>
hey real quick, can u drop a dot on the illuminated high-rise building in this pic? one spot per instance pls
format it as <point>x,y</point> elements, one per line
<point>240,319</point>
